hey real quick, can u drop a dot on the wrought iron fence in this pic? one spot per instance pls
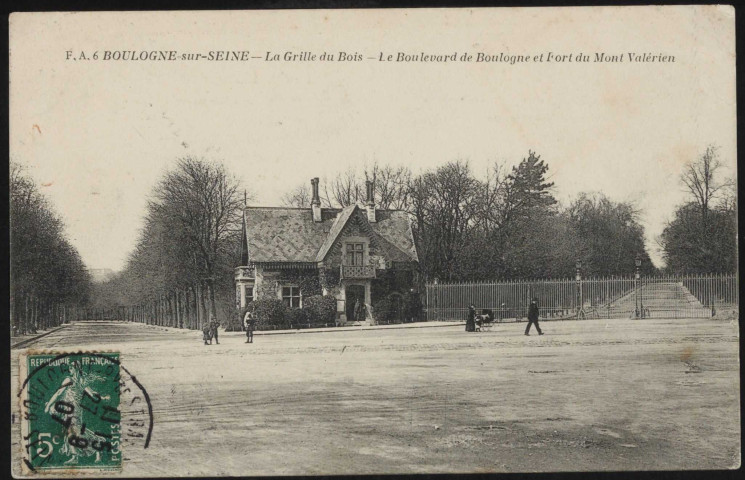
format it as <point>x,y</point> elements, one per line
<point>610,297</point>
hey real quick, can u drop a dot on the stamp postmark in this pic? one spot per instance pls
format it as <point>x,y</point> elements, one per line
<point>79,412</point>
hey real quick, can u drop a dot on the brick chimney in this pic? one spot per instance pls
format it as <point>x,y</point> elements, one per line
<point>370,201</point>
<point>315,201</point>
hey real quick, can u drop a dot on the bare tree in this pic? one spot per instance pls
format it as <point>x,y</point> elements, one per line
<point>392,189</point>
<point>702,236</point>
<point>299,197</point>
<point>205,201</point>
<point>344,189</point>
<point>699,179</point>
<point>491,199</point>
<point>392,186</point>
<point>444,203</point>
<point>728,196</point>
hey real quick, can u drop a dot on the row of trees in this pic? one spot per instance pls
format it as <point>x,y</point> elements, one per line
<point>181,270</point>
<point>702,236</point>
<point>507,225</point>
<point>49,283</point>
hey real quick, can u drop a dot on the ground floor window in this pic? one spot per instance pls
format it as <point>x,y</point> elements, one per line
<point>249,294</point>
<point>291,296</point>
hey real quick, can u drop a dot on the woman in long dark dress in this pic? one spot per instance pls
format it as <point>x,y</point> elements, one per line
<point>471,319</point>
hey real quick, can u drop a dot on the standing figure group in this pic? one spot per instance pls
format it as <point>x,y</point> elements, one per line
<point>209,331</point>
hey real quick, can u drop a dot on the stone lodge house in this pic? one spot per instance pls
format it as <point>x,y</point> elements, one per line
<point>359,254</point>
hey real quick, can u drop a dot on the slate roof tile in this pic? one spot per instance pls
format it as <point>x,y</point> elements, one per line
<point>278,234</point>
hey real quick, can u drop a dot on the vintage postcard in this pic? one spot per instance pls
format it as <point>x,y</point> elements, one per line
<point>384,241</point>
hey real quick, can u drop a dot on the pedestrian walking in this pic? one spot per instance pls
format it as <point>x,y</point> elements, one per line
<point>471,319</point>
<point>213,329</point>
<point>533,317</point>
<point>249,324</point>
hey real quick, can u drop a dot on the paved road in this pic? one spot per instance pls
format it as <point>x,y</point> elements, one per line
<point>592,395</point>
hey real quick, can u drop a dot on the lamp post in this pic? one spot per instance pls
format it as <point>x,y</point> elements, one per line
<point>637,278</point>
<point>578,277</point>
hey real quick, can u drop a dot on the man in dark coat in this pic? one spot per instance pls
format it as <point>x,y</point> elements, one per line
<point>249,323</point>
<point>533,317</point>
<point>359,311</point>
<point>213,329</point>
<point>207,333</point>
<point>471,319</point>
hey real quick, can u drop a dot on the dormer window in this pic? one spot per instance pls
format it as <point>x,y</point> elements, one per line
<point>355,253</point>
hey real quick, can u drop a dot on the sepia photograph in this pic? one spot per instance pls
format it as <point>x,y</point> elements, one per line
<point>373,242</point>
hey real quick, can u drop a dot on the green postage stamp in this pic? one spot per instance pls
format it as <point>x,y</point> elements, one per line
<point>71,420</point>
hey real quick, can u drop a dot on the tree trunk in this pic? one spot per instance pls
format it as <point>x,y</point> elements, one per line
<point>174,308</point>
<point>211,292</point>
<point>180,309</point>
<point>197,310</point>
<point>177,308</point>
<point>24,328</point>
<point>173,301</point>
<point>179,315</point>
<point>187,313</point>
<point>203,306</point>
<point>33,314</point>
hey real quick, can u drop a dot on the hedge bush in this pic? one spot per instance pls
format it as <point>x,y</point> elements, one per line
<point>385,309</point>
<point>320,309</point>
<point>295,317</point>
<point>269,313</point>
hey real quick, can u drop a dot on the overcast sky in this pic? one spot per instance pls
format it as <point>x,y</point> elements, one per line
<point>99,134</point>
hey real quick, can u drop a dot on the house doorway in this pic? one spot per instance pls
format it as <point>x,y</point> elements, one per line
<point>398,311</point>
<point>353,295</point>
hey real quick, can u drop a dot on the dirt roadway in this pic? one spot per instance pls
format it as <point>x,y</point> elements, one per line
<point>592,395</point>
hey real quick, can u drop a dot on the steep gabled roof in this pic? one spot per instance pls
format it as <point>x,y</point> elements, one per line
<point>336,228</point>
<point>394,226</point>
<point>291,235</point>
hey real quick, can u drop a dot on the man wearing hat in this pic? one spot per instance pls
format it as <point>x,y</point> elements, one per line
<point>249,323</point>
<point>533,317</point>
